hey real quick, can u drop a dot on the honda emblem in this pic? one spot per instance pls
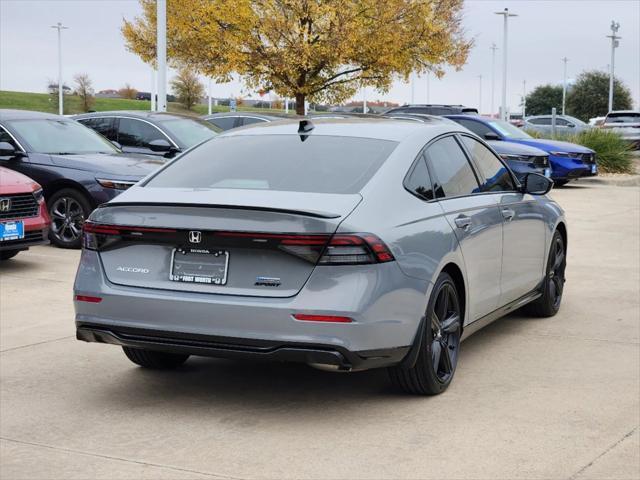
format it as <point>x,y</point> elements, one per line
<point>195,236</point>
<point>5,204</point>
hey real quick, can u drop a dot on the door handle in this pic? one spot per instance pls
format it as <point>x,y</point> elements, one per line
<point>463,222</point>
<point>508,214</point>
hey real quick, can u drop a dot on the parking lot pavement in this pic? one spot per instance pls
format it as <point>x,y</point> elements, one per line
<point>532,398</point>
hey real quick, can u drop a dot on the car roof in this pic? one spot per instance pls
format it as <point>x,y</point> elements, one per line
<point>379,128</point>
<point>143,114</point>
<point>270,116</point>
<point>623,111</point>
<point>9,114</point>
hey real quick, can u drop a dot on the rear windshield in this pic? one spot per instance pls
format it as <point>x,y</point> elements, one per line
<point>626,117</point>
<point>319,164</point>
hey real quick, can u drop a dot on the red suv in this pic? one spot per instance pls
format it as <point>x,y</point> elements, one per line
<point>24,220</point>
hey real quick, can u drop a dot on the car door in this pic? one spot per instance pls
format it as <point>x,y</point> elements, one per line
<point>134,136</point>
<point>523,233</point>
<point>475,219</point>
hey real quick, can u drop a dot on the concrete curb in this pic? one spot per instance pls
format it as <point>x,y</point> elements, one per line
<point>618,180</point>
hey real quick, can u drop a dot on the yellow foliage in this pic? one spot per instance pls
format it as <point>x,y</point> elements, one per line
<point>319,50</point>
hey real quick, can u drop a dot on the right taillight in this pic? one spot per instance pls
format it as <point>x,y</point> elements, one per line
<point>355,249</point>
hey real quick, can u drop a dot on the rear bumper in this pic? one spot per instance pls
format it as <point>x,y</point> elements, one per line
<point>225,347</point>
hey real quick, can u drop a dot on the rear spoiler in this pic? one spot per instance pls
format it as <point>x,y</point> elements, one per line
<point>307,213</point>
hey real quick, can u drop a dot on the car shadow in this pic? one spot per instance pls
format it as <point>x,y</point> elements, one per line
<point>19,264</point>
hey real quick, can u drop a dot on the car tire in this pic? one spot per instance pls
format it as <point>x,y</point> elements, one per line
<point>68,209</point>
<point>560,183</point>
<point>7,254</point>
<point>439,346</point>
<point>553,285</point>
<point>154,360</point>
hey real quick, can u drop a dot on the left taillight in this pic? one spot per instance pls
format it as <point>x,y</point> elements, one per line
<point>355,249</point>
<point>96,236</point>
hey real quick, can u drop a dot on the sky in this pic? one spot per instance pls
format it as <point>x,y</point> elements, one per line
<point>542,34</point>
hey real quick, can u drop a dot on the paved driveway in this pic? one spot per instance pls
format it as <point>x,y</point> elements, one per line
<point>552,398</point>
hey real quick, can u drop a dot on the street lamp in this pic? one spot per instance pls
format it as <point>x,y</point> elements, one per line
<point>60,27</point>
<point>493,77</point>
<point>564,83</point>
<point>506,15</point>
<point>161,45</point>
<point>614,44</point>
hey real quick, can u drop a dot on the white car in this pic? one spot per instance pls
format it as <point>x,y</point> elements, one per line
<point>626,123</point>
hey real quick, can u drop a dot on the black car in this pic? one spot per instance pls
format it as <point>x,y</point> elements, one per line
<point>77,168</point>
<point>149,133</point>
<point>229,120</point>
<point>432,109</point>
<point>522,159</point>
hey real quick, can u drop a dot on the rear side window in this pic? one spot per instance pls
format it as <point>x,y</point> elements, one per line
<point>104,126</point>
<point>540,121</point>
<point>418,181</point>
<point>314,164</point>
<point>494,175</point>
<point>134,133</point>
<point>454,175</point>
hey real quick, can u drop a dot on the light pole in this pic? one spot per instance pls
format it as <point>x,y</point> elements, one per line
<point>564,83</point>
<point>614,44</point>
<point>428,87</point>
<point>364,100</point>
<point>506,15</point>
<point>153,89</point>
<point>161,45</point>
<point>480,94</point>
<point>209,96</point>
<point>60,27</point>
<point>413,88</point>
<point>524,98</point>
<point>493,77</point>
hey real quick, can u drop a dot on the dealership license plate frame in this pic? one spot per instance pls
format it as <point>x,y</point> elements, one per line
<point>202,279</point>
<point>18,227</point>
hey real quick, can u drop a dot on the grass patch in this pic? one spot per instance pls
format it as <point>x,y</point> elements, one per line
<point>43,102</point>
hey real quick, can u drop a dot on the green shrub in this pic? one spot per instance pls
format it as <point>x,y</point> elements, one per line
<point>612,152</point>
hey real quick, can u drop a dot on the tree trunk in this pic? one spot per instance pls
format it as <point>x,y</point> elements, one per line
<point>300,98</point>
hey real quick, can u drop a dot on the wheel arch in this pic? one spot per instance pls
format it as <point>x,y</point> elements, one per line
<point>454,271</point>
<point>562,228</point>
<point>57,185</point>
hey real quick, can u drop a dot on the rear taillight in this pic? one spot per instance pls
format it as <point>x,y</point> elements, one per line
<point>96,235</point>
<point>353,249</point>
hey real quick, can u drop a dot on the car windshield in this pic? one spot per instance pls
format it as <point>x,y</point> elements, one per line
<point>507,130</point>
<point>188,131</point>
<point>61,136</point>
<point>313,164</point>
<point>627,117</point>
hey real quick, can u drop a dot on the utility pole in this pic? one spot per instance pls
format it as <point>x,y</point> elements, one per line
<point>413,89</point>
<point>153,89</point>
<point>60,27</point>
<point>564,83</point>
<point>480,94</point>
<point>161,42</point>
<point>493,77</point>
<point>428,87</point>
<point>614,44</point>
<point>364,100</point>
<point>524,98</point>
<point>506,15</point>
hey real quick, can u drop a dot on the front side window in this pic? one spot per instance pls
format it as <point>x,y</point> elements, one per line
<point>250,120</point>
<point>102,125</point>
<point>478,128</point>
<point>418,181</point>
<point>224,123</point>
<point>313,164</point>
<point>60,136</point>
<point>494,176</point>
<point>5,137</point>
<point>540,121</point>
<point>454,175</point>
<point>135,133</point>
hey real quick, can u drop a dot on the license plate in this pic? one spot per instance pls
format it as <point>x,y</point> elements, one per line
<point>547,172</point>
<point>199,265</point>
<point>594,168</point>
<point>11,231</point>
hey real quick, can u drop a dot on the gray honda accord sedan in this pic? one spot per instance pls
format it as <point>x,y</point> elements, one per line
<point>343,243</point>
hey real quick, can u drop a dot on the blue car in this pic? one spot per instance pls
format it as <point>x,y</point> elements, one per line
<point>523,159</point>
<point>568,160</point>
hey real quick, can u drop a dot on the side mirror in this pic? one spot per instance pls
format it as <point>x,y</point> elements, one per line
<point>536,184</point>
<point>160,145</point>
<point>8,150</point>
<point>491,136</point>
<point>570,125</point>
